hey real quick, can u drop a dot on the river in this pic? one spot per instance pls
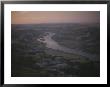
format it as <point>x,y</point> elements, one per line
<point>52,44</point>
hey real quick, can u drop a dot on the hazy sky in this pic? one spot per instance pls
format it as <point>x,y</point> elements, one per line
<point>37,17</point>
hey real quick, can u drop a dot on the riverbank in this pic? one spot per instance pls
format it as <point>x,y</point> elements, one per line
<point>49,42</point>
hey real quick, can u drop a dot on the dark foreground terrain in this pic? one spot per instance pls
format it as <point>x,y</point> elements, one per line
<point>73,50</point>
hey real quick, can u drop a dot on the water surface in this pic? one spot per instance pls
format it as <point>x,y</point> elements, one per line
<point>52,44</point>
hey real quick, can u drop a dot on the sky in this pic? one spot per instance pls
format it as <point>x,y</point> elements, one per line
<point>39,17</point>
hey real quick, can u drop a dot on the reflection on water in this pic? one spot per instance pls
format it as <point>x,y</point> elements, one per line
<point>50,43</point>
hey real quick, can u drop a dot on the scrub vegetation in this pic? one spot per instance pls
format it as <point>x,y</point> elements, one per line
<point>31,58</point>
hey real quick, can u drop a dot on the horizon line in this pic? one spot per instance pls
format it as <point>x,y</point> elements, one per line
<point>58,23</point>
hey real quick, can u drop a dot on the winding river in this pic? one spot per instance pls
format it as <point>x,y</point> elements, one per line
<point>50,43</point>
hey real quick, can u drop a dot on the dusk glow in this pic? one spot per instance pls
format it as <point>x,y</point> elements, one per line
<point>55,44</point>
<point>37,17</point>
